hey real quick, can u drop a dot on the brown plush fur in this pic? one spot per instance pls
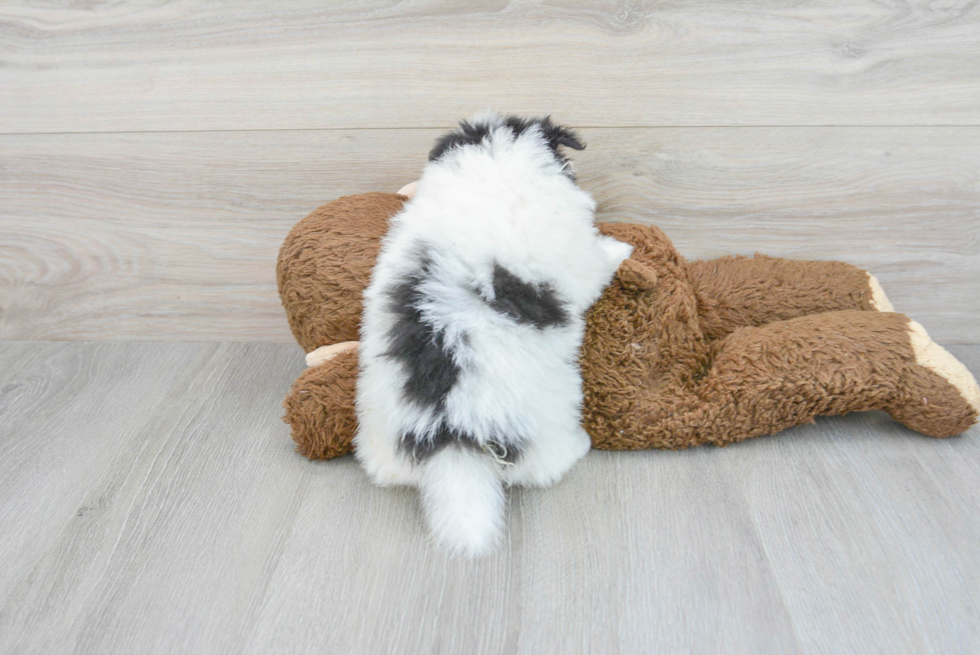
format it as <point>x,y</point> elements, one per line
<point>744,291</point>
<point>676,353</point>
<point>320,408</point>
<point>324,265</point>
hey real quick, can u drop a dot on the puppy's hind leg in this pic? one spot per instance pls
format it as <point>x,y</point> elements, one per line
<point>543,461</point>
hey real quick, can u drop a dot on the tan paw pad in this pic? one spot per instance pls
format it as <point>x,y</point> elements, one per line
<point>408,190</point>
<point>930,354</point>
<point>326,353</point>
<point>878,298</point>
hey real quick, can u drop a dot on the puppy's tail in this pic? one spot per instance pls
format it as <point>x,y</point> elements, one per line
<point>463,500</point>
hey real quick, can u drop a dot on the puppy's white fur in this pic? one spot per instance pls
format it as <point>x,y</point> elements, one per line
<point>503,202</point>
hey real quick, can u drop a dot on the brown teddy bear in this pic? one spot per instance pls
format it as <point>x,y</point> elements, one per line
<point>676,353</point>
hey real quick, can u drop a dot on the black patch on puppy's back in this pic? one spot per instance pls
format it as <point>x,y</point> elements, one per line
<point>556,136</point>
<point>419,449</point>
<point>530,304</point>
<point>422,350</point>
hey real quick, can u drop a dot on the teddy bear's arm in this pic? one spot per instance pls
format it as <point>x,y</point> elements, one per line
<point>734,292</point>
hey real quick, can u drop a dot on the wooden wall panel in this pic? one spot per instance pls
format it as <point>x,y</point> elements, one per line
<point>306,64</point>
<point>174,236</point>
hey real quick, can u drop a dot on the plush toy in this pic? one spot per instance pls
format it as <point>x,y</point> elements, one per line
<point>676,353</point>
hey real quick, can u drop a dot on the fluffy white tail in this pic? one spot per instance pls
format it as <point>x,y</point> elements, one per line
<point>463,500</point>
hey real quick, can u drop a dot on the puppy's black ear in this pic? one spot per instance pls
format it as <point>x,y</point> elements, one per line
<point>466,134</point>
<point>558,135</point>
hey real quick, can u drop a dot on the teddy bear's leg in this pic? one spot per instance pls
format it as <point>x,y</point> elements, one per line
<point>752,291</point>
<point>320,407</point>
<point>788,372</point>
<point>764,379</point>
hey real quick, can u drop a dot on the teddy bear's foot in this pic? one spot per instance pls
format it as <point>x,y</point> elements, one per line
<point>941,397</point>
<point>326,353</point>
<point>930,354</point>
<point>879,301</point>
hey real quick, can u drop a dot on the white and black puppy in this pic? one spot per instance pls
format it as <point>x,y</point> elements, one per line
<point>473,322</point>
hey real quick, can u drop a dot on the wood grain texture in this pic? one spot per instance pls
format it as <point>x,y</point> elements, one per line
<point>853,508</point>
<point>65,412</point>
<point>162,550</point>
<point>302,64</point>
<point>185,523</point>
<point>174,236</point>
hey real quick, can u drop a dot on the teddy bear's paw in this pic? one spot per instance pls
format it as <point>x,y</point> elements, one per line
<point>931,355</point>
<point>879,301</point>
<point>408,190</point>
<point>326,353</point>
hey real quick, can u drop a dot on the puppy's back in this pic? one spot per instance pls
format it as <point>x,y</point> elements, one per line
<point>473,321</point>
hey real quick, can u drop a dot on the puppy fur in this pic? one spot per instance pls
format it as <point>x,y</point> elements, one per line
<point>472,325</point>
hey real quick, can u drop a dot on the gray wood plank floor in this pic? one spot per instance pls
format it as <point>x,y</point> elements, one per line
<point>151,503</point>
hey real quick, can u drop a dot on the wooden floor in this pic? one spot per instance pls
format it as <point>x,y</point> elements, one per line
<point>153,156</point>
<point>151,503</point>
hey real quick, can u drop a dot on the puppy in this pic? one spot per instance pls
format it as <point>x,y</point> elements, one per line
<point>472,326</point>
